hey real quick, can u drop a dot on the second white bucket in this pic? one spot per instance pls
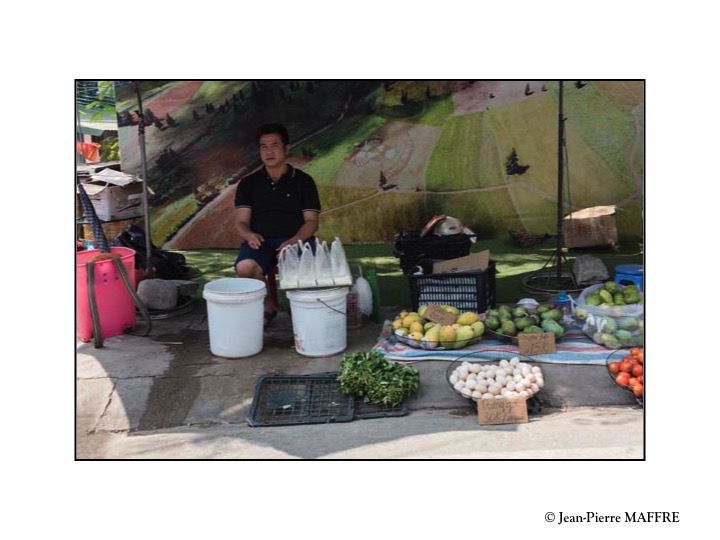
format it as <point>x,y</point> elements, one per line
<point>319,320</point>
<point>235,316</point>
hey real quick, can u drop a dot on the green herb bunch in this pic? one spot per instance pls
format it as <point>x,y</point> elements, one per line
<point>370,376</point>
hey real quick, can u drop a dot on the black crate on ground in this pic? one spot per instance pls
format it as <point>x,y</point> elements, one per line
<point>364,410</point>
<point>282,400</point>
<point>467,291</point>
<point>411,248</point>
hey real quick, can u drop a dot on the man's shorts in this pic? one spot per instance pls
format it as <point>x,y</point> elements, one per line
<point>266,256</point>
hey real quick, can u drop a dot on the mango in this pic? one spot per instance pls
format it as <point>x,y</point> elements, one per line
<point>432,337</point>
<point>397,323</point>
<point>421,310</point>
<point>409,319</point>
<point>468,318</point>
<point>463,336</point>
<point>478,328</point>
<point>447,336</point>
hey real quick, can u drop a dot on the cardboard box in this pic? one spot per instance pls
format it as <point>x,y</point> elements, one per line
<point>115,195</point>
<point>475,261</point>
<point>589,227</point>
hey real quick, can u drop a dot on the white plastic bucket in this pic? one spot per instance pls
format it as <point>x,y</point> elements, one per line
<point>235,316</point>
<point>319,320</point>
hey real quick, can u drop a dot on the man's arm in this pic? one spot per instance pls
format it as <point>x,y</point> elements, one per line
<point>246,234</point>
<point>312,220</point>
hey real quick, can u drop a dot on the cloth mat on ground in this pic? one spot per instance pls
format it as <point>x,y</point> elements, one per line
<point>574,348</point>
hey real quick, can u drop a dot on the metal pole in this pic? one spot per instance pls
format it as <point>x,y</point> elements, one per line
<point>561,137</point>
<point>143,168</point>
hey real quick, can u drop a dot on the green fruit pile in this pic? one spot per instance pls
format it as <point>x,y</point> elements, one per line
<point>511,321</point>
<point>611,294</point>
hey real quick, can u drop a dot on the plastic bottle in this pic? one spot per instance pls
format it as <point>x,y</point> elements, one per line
<point>563,302</point>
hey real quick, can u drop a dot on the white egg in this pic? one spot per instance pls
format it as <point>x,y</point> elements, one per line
<point>525,371</point>
<point>514,361</point>
<point>509,371</point>
<point>501,380</point>
<point>530,377</point>
<point>481,386</point>
<point>470,383</point>
<point>453,379</point>
<point>524,393</point>
<point>466,392</point>
<point>504,363</point>
<point>463,375</point>
<point>539,381</point>
<point>471,377</point>
<point>475,368</point>
<point>512,394</point>
<point>476,394</point>
<point>536,369</point>
<point>487,396</point>
<point>520,386</point>
<point>535,388</point>
<point>510,386</point>
<point>464,369</point>
<point>504,392</point>
<point>465,364</point>
<point>529,391</point>
<point>494,389</point>
<point>517,378</point>
<point>499,397</point>
<point>491,374</point>
<point>459,386</point>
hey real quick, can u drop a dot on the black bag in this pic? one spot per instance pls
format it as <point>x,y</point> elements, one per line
<point>167,264</point>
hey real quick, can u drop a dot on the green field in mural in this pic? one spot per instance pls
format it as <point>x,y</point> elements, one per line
<point>387,155</point>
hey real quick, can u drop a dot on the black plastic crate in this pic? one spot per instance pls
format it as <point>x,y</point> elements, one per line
<point>364,410</point>
<point>411,248</point>
<point>282,400</point>
<point>467,291</point>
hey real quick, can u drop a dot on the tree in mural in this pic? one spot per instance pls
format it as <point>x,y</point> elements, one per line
<point>512,164</point>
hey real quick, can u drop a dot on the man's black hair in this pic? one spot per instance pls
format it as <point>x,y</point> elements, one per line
<point>267,129</point>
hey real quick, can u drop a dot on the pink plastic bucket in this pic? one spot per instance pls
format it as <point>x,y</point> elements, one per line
<point>115,306</point>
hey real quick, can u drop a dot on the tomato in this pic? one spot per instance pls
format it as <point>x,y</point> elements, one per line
<point>640,357</point>
<point>626,366</point>
<point>637,370</point>
<point>638,390</point>
<point>614,367</point>
<point>622,379</point>
<point>633,381</point>
<point>635,351</point>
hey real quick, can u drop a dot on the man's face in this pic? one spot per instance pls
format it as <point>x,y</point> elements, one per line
<point>272,150</point>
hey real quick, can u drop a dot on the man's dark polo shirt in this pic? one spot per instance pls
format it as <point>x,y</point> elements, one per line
<point>277,208</point>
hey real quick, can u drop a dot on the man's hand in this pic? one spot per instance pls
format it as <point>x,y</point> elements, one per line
<point>288,242</point>
<point>254,240</point>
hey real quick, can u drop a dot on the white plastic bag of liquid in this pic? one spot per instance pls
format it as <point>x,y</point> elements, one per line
<point>340,268</point>
<point>306,272</point>
<point>323,268</point>
<point>288,266</point>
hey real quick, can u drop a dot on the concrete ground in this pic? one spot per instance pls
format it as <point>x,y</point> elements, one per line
<point>167,396</point>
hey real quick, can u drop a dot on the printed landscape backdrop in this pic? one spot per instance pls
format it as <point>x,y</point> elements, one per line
<point>387,155</point>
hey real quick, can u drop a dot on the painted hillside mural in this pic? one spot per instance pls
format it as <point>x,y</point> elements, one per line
<point>387,155</point>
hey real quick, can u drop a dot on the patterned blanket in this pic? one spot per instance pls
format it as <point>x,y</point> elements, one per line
<point>573,348</point>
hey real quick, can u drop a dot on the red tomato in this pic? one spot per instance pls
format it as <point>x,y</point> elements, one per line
<point>635,350</point>
<point>640,378</point>
<point>640,357</point>
<point>638,390</point>
<point>623,378</point>
<point>633,381</point>
<point>614,367</point>
<point>626,366</point>
<point>637,370</point>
